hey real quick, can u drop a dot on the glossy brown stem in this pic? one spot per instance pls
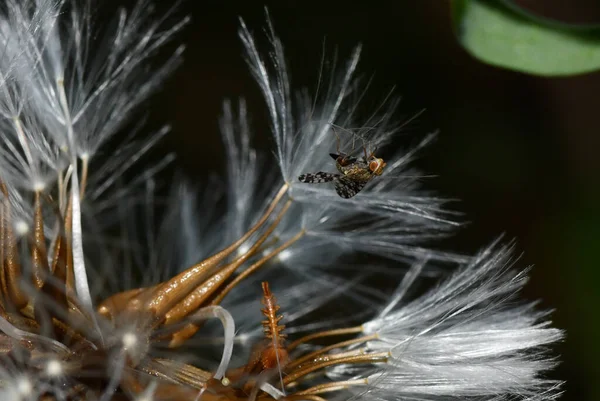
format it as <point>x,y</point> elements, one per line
<point>39,255</point>
<point>203,292</point>
<point>250,270</point>
<point>179,337</point>
<point>11,267</point>
<point>111,306</point>
<point>302,397</point>
<point>312,355</point>
<point>334,386</point>
<point>173,291</point>
<point>68,244</point>
<point>56,288</point>
<point>326,361</point>
<point>321,334</point>
<point>3,222</point>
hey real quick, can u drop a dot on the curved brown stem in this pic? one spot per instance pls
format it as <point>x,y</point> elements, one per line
<point>68,244</point>
<point>321,334</point>
<point>334,386</point>
<point>203,292</point>
<point>331,360</point>
<point>312,355</point>
<point>302,397</point>
<point>11,268</point>
<point>114,304</point>
<point>39,255</point>
<point>173,291</point>
<point>179,337</point>
<point>243,275</point>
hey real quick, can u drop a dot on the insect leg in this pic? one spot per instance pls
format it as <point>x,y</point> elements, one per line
<point>338,140</point>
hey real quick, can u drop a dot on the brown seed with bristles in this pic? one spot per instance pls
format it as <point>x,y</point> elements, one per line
<point>275,354</point>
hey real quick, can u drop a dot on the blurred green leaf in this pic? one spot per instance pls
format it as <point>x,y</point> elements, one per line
<point>511,38</point>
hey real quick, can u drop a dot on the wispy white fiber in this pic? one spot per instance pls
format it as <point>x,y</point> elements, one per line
<point>67,86</point>
<point>467,337</point>
<point>392,215</point>
<point>20,335</point>
<point>187,233</point>
<point>104,79</point>
<point>249,182</point>
<point>112,183</point>
<point>306,126</point>
<point>229,328</point>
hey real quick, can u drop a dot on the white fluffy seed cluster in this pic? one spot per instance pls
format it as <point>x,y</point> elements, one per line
<point>65,91</point>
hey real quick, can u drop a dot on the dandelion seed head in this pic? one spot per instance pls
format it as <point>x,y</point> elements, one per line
<point>462,338</point>
<point>98,318</point>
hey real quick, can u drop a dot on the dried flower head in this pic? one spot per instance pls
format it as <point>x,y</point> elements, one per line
<point>66,88</point>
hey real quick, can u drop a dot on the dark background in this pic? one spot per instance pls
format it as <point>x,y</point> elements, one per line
<point>521,152</point>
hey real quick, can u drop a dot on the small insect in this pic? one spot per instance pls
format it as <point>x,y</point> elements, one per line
<point>354,173</point>
<point>271,353</point>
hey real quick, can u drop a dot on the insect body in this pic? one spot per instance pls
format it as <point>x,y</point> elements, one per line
<point>354,173</point>
<point>271,353</point>
<point>276,354</point>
